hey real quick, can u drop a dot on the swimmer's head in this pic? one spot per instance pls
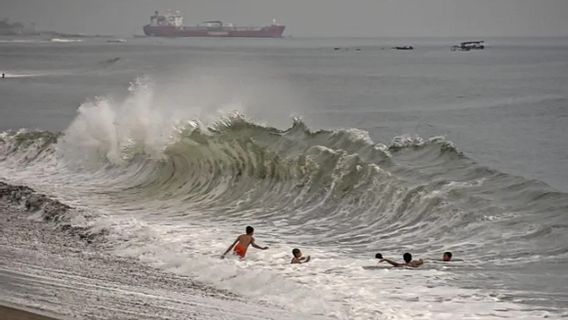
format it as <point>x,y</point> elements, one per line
<point>407,257</point>
<point>378,256</point>
<point>250,230</point>
<point>447,256</point>
<point>296,252</point>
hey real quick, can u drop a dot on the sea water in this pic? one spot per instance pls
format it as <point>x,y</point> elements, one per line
<point>340,147</point>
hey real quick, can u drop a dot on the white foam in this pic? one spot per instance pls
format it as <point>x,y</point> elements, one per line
<point>60,40</point>
<point>331,284</point>
<point>23,41</point>
<point>23,74</point>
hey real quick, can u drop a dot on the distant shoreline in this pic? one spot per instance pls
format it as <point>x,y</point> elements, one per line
<point>56,34</point>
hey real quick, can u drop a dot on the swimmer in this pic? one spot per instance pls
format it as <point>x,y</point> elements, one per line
<point>298,257</point>
<point>447,256</point>
<point>242,243</point>
<point>408,262</point>
<point>380,257</point>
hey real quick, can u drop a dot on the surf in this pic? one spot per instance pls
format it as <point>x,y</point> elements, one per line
<point>161,182</point>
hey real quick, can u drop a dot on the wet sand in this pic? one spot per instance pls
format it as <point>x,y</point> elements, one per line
<point>9,313</point>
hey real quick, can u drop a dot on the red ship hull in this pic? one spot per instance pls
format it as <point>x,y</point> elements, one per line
<point>273,31</point>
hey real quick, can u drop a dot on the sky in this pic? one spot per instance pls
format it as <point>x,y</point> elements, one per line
<point>329,18</point>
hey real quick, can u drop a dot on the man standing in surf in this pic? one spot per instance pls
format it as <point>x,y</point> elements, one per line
<point>242,243</point>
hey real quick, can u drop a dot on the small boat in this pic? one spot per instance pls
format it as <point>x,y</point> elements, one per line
<point>403,48</point>
<point>469,45</point>
<point>116,40</point>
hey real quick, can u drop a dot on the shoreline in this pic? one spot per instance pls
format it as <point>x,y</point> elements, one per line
<point>56,269</point>
<point>19,313</point>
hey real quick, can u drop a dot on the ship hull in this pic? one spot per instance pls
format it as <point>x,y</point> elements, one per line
<point>274,31</point>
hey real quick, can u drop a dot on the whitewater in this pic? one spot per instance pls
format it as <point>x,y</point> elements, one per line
<point>163,158</point>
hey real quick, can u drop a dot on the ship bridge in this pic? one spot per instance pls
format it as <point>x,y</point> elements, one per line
<point>174,19</point>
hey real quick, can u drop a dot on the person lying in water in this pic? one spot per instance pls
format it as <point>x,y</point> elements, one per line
<point>242,243</point>
<point>408,262</point>
<point>449,257</point>
<point>298,258</point>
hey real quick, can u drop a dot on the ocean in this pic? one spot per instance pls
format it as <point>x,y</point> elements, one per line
<point>166,149</point>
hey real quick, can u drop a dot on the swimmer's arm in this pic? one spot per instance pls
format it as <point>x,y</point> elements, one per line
<point>415,263</point>
<point>257,246</point>
<point>230,247</point>
<point>300,260</point>
<point>393,263</point>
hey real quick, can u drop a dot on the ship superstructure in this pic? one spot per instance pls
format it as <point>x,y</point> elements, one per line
<point>170,24</point>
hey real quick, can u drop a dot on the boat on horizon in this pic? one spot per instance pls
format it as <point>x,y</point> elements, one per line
<point>171,25</point>
<point>469,45</point>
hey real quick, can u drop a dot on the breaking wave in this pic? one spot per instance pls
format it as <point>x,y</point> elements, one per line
<point>128,166</point>
<point>341,179</point>
<point>60,40</point>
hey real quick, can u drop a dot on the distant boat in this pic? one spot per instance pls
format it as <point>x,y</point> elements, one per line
<point>116,40</point>
<point>469,45</point>
<point>171,25</point>
<point>404,48</point>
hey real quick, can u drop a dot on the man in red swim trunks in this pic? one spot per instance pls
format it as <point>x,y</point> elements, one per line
<point>242,243</point>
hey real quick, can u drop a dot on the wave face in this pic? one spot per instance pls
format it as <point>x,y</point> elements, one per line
<point>165,188</point>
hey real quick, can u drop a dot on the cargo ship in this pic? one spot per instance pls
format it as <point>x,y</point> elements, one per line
<point>171,25</point>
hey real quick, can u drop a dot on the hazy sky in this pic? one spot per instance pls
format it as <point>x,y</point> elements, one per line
<point>365,18</point>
